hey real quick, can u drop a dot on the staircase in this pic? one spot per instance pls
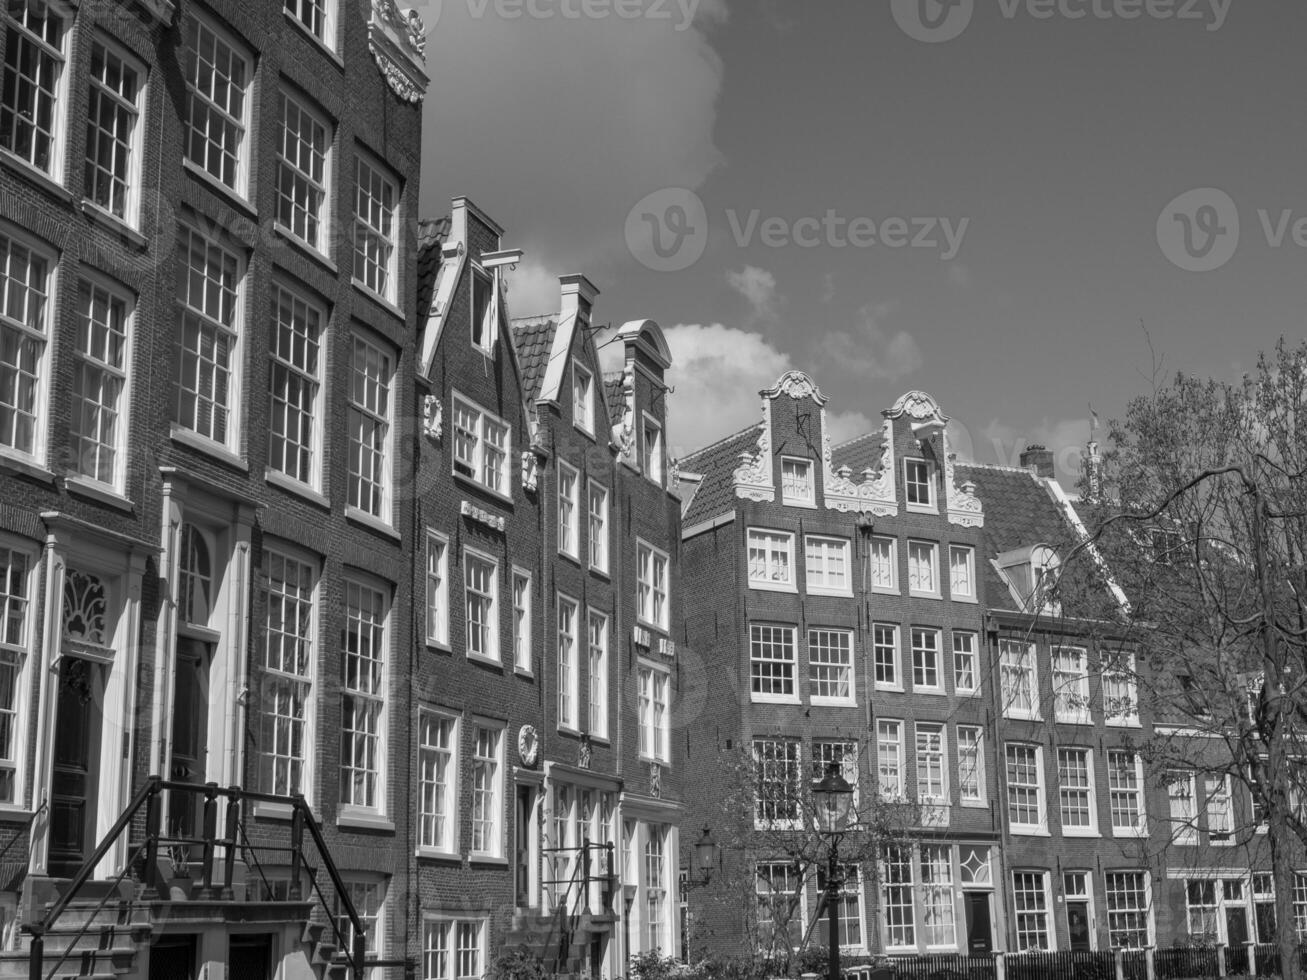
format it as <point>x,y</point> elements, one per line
<point>98,936</point>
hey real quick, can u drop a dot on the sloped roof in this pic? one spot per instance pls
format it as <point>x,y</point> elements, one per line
<point>612,389</point>
<point>860,453</point>
<point>717,463</point>
<point>534,339</point>
<point>432,233</point>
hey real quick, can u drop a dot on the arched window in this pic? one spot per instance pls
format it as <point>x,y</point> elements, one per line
<point>195,579</point>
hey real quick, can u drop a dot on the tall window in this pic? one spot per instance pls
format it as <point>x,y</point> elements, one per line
<point>598,669</point>
<point>848,908</point>
<point>1017,671</point>
<point>885,654</point>
<point>302,171</point>
<point>209,279</point>
<point>294,437</point>
<point>833,752</point>
<point>651,450</point>
<point>583,400</point>
<point>487,790</point>
<point>1203,910</point>
<point>485,316</point>
<point>14,636</point>
<point>899,898</point>
<point>453,949</point>
<point>772,661</point>
<point>1025,786</point>
<point>437,588</point>
<point>1216,804</point>
<point>521,619</point>
<point>777,778</point>
<point>971,764</point>
<point>1120,698</point>
<point>1180,792</point>
<point>375,235</point>
<point>437,781</point>
<point>884,564</point>
<point>925,658</point>
<point>370,403</point>
<point>33,82</point>
<point>315,15</point>
<point>597,529</point>
<point>653,714</point>
<point>889,759</point>
<point>100,383</point>
<point>1126,791</point>
<point>932,778</point>
<point>826,565</point>
<point>289,656</point>
<point>771,559</point>
<point>962,571</point>
<point>24,305</point>
<point>1071,684</point>
<point>1030,903</point>
<point>923,559</point>
<point>964,661</point>
<point>568,613</point>
<point>481,595</point>
<point>113,109</point>
<point>779,893</point>
<point>1127,910</point>
<point>369,898</point>
<point>1075,787</point>
<point>797,486</point>
<point>568,490</point>
<point>937,910</point>
<point>482,446</point>
<point>655,888</point>
<point>218,79</point>
<point>363,696</point>
<point>651,585</point>
<point>830,665</point>
<point>917,484</point>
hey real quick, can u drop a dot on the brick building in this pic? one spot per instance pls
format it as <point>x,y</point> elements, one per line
<point>207,294</point>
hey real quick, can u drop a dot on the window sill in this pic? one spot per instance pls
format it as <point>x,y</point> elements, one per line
<point>439,646</point>
<point>1080,832</point>
<point>774,699</point>
<point>650,760</point>
<point>526,672</point>
<point>378,299</point>
<point>966,692</point>
<point>435,854</point>
<point>375,524</point>
<point>885,590</point>
<point>273,811</point>
<point>37,176</point>
<point>601,740</point>
<point>657,628</point>
<point>574,559</point>
<point>975,805</point>
<point>913,593</point>
<point>499,495</point>
<point>1029,832</point>
<point>834,702</point>
<point>1011,715</point>
<point>601,571</point>
<point>569,730</point>
<point>110,221</point>
<point>20,813</point>
<point>1127,834</point>
<point>1123,724</point>
<point>964,598</point>
<point>217,186</point>
<point>838,593</point>
<point>82,487</point>
<point>891,688</point>
<point>318,42</point>
<point>17,464</point>
<point>805,504</point>
<point>291,485</point>
<point>485,661</point>
<point>921,508</point>
<point>364,820</point>
<point>938,692</point>
<point>770,587</point>
<point>489,859</point>
<point>589,433</point>
<point>193,440</point>
<point>304,248</point>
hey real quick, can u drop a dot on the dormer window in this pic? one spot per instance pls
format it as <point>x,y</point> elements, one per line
<point>651,449</point>
<point>797,485</point>
<point>583,401</point>
<point>919,485</point>
<point>483,311</point>
<point>1031,574</point>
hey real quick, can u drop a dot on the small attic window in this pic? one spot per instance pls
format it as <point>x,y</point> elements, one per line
<point>483,311</point>
<point>1031,574</point>
<point>797,485</point>
<point>583,400</point>
<point>919,485</point>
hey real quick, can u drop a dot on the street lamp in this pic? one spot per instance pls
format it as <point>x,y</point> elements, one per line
<point>707,855</point>
<point>834,799</point>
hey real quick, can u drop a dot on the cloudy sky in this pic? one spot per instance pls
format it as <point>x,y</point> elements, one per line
<point>988,213</point>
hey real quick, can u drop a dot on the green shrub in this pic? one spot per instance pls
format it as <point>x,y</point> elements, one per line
<point>518,965</point>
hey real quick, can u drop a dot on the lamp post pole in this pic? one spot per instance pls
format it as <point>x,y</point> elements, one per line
<point>832,907</point>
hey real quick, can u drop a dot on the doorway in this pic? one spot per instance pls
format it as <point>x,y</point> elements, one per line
<point>76,764</point>
<point>190,740</point>
<point>1077,924</point>
<point>980,931</point>
<point>522,827</point>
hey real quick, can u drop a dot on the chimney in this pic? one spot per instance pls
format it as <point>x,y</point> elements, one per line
<point>1093,472</point>
<point>579,295</point>
<point>1039,461</point>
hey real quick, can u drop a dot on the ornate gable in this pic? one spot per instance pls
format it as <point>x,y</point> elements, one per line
<point>398,42</point>
<point>929,422</point>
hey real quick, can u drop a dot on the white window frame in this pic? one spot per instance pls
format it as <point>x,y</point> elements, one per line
<point>1046,911</point>
<point>1184,816</point>
<point>371,174</point>
<point>651,448</point>
<point>47,295</point>
<point>284,292</point>
<point>654,715</point>
<point>451,931</point>
<point>1125,678</point>
<point>583,398</point>
<point>972,744</point>
<point>876,661</point>
<point>381,697</point>
<point>54,166</point>
<point>480,464</point>
<point>803,467</point>
<point>784,750</point>
<point>1040,827</point>
<point>776,550</point>
<point>307,679</point>
<point>490,597</point>
<point>85,361</point>
<point>1070,685</point>
<point>290,169</point>
<point>236,50</point>
<point>921,666</point>
<point>923,733</point>
<point>892,566</point>
<point>765,637</point>
<point>967,593</point>
<point>650,589</point>
<point>826,664</point>
<point>1140,829</point>
<point>496,850</point>
<point>368,884</point>
<point>21,651</point>
<point>1217,791</point>
<point>437,586</point>
<point>485,332</point>
<point>1087,755</point>
<point>889,736</point>
<point>598,641</point>
<point>961,640</point>
<point>1147,910</point>
<point>569,510</point>
<point>900,858</point>
<point>938,896</point>
<point>522,626</point>
<point>817,564</point>
<point>447,843</point>
<point>131,180</point>
<point>567,654</point>
<point>932,549</point>
<point>597,526</point>
<point>931,506</point>
<point>1018,659</point>
<point>381,482</point>
<point>324,8</point>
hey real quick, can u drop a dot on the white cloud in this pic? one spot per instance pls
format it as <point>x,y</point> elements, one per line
<point>758,286</point>
<point>869,350</point>
<point>532,291</point>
